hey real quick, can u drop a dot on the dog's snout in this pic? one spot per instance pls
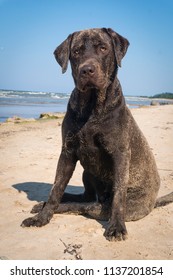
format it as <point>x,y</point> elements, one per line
<point>87,70</point>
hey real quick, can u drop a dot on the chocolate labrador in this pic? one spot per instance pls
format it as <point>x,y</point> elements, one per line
<point>120,177</point>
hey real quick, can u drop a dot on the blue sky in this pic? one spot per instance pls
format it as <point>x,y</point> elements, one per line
<point>30,30</point>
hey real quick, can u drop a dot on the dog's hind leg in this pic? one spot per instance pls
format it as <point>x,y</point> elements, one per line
<point>38,207</point>
<point>94,210</point>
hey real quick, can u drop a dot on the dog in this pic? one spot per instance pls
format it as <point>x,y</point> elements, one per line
<point>120,176</point>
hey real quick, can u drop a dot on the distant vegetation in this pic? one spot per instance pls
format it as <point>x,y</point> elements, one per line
<point>166,95</point>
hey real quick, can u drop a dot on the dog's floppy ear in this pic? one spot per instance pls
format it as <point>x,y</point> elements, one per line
<point>62,53</point>
<point>120,44</point>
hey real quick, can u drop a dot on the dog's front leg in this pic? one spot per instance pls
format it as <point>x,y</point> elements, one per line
<point>116,229</point>
<point>65,168</point>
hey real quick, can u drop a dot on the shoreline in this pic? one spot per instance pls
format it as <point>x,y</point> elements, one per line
<point>59,114</point>
<point>29,155</point>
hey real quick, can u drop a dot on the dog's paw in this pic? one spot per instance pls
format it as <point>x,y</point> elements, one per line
<point>116,233</point>
<point>38,207</point>
<point>38,220</point>
<point>32,222</point>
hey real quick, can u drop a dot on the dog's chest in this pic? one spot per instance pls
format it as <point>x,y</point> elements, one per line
<point>93,157</point>
<point>87,150</point>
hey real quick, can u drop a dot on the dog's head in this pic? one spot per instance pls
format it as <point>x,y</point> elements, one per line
<point>94,54</point>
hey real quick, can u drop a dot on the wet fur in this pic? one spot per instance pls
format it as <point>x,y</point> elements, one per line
<point>121,180</point>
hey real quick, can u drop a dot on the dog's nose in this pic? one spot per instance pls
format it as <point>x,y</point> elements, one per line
<point>88,69</point>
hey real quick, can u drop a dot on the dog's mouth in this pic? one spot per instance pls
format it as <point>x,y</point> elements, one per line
<point>88,86</point>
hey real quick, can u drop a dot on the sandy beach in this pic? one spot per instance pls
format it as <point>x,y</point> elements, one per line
<point>29,154</point>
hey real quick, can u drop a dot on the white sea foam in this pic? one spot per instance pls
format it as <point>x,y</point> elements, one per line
<point>34,94</point>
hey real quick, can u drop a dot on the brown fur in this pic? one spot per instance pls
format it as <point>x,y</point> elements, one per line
<point>120,175</point>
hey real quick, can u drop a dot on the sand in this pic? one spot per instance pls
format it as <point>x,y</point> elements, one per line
<point>29,154</point>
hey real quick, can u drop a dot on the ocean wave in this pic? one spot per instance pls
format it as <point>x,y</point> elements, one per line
<point>136,98</point>
<point>34,94</point>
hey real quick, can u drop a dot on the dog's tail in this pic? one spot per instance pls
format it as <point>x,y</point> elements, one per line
<point>164,200</point>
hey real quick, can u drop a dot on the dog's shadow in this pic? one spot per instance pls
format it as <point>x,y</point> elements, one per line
<point>38,191</point>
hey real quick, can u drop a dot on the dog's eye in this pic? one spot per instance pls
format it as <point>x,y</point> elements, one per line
<point>103,48</point>
<point>76,52</point>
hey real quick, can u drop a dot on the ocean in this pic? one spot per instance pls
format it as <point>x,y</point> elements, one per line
<point>30,104</point>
